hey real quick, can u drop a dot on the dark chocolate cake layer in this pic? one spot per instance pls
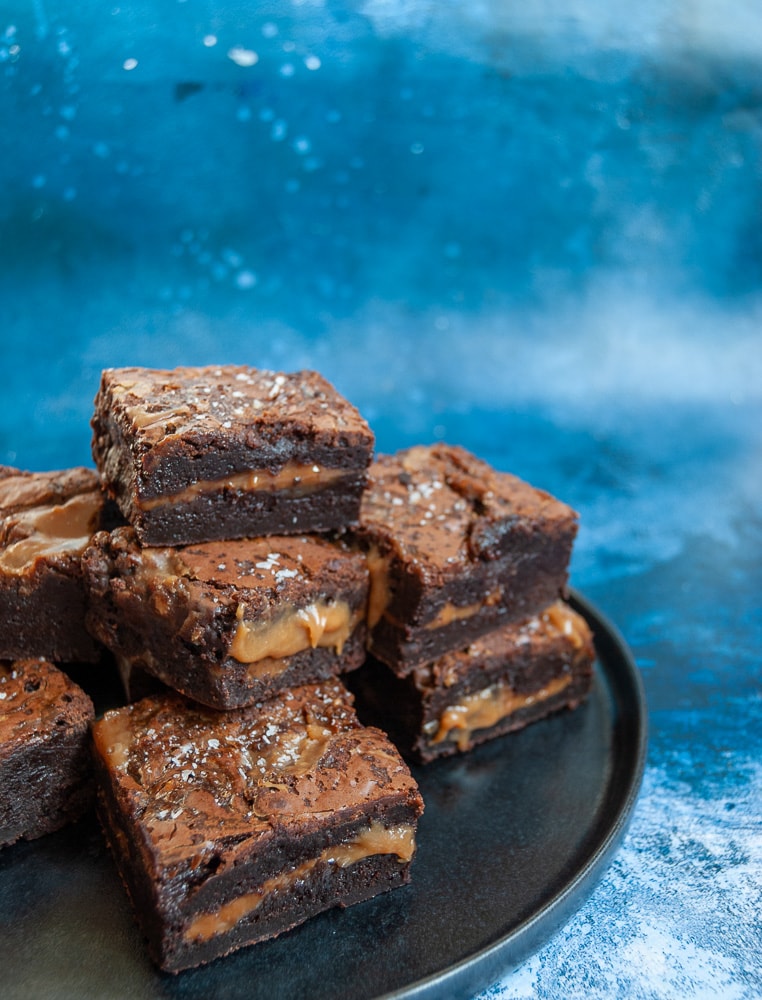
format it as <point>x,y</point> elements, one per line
<point>45,763</point>
<point>46,521</point>
<point>198,454</point>
<point>455,550</point>
<point>229,623</point>
<point>502,681</point>
<point>231,827</point>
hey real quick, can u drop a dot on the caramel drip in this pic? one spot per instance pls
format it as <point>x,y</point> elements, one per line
<point>488,707</point>
<point>323,623</point>
<point>63,528</point>
<point>295,478</point>
<point>568,623</point>
<point>380,592</point>
<point>113,738</point>
<point>377,839</point>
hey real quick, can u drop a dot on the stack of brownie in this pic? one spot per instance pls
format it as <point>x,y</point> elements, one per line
<point>250,797</point>
<point>239,553</point>
<point>467,624</point>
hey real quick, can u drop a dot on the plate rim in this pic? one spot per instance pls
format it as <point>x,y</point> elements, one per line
<point>625,690</point>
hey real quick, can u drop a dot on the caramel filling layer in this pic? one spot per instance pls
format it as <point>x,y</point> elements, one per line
<point>377,839</point>
<point>486,708</point>
<point>323,623</point>
<point>448,613</point>
<point>296,479</point>
<point>63,528</point>
<point>453,612</point>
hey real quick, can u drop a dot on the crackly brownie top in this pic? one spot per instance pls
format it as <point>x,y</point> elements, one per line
<point>194,775</point>
<point>262,572</point>
<point>440,507</point>
<point>46,514</point>
<point>36,698</point>
<point>225,400</point>
<point>557,627</point>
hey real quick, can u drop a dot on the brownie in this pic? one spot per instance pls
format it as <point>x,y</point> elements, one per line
<point>45,761</point>
<point>455,550</point>
<point>46,520</point>
<point>500,682</point>
<point>232,827</point>
<point>199,454</point>
<point>229,623</point>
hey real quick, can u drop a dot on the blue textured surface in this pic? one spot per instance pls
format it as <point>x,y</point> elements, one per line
<point>537,236</point>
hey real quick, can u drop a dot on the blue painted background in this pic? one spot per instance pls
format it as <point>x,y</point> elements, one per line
<point>537,235</point>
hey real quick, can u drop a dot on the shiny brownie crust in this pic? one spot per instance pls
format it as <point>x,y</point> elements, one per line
<point>158,434</point>
<point>224,825</point>
<point>42,595</point>
<point>174,612</point>
<point>45,765</point>
<point>456,550</point>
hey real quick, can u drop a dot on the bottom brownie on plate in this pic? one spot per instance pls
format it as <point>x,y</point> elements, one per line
<point>500,682</point>
<point>45,761</point>
<point>231,827</point>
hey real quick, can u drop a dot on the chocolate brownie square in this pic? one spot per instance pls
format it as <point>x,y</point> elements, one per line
<point>199,454</point>
<point>455,550</point>
<point>46,521</point>
<point>500,682</point>
<point>45,761</point>
<point>232,827</point>
<point>229,623</point>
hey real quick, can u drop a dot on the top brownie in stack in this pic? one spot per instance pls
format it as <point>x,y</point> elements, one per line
<point>201,454</point>
<point>455,550</point>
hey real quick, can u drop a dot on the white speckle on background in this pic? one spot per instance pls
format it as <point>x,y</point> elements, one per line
<point>246,279</point>
<point>129,64</point>
<point>242,56</point>
<point>279,130</point>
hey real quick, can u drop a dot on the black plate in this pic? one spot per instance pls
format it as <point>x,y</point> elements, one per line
<point>513,839</point>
